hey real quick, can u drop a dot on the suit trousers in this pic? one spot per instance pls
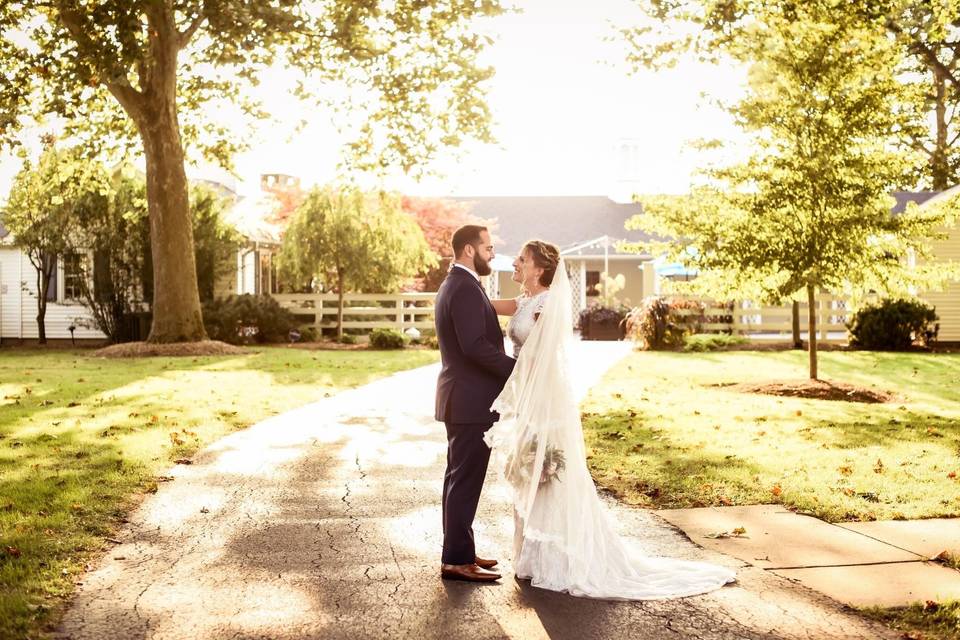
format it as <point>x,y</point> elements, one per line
<point>467,459</point>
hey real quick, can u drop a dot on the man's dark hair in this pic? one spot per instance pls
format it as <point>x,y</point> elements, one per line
<point>467,234</point>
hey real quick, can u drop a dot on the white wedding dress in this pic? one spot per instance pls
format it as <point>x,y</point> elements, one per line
<point>564,538</point>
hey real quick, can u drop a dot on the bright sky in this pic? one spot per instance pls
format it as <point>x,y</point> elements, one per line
<point>563,104</point>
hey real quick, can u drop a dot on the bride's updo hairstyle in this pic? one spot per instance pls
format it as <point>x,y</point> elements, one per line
<point>546,256</point>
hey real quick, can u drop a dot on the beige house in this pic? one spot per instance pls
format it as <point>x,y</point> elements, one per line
<point>946,302</point>
<point>586,228</point>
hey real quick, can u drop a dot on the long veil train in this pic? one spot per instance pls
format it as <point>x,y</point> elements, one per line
<point>564,539</point>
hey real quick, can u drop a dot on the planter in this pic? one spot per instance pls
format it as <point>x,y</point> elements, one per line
<point>602,331</point>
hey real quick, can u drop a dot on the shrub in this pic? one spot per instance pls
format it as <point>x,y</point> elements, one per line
<point>348,338</point>
<point>653,325</point>
<point>388,339</point>
<point>309,333</point>
<point>246,318</point>
<point>711,342</point>
<point>893,325</point>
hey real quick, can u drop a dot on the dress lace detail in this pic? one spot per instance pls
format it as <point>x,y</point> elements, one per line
<point>565,540</point>
<point>523,320</point>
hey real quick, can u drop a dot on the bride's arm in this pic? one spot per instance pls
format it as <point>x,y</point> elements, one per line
<point>505,307</point>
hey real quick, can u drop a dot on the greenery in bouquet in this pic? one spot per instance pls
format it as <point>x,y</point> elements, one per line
<point>520,465</point>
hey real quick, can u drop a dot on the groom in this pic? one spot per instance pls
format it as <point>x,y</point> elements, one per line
<point>474,371</point>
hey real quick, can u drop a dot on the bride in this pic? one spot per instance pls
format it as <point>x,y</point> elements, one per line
<point>564,539</point>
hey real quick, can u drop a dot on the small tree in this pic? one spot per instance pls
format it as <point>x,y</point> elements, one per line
<point>809,211</point>
<point>118,235</point>
<point>215,241</point>
<point>346,240</point>
<point>43,208</point>
<point>438,219</point>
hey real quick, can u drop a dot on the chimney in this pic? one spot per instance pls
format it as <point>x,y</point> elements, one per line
<point>270,181</point>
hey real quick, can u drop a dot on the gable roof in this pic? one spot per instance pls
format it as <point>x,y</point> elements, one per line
<point>905,197</point>
<point>563,220</point>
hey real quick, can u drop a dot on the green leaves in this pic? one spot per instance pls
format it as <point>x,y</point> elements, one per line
<point>411,68</point>
<point>364,238</point>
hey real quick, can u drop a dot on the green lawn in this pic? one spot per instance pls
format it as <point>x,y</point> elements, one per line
<point>661,435</point>
<point>81,437</point>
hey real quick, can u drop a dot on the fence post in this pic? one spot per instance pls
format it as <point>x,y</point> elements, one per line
<point>318,318</point>
<point>735,319</point>
<point>400,318</point>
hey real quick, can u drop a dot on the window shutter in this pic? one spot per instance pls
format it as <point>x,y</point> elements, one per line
<point>52,283</point>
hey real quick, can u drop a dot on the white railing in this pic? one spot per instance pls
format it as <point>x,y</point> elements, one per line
<point>399,311</point>
<point>760,322</point>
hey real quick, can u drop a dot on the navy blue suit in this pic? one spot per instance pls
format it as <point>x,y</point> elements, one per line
<point>474,370</point>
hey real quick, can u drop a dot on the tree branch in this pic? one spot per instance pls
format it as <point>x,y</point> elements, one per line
<point>184,37</point>
<point>117,83</point>
<point>921,47</point>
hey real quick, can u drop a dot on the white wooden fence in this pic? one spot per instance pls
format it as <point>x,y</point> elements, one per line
<point>404,310</point>
<point>362,310</point>
<point>759,322</point>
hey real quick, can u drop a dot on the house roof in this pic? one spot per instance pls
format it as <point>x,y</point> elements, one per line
<point>905,197</point>
<point>566,221</point>
<point>252,217</point>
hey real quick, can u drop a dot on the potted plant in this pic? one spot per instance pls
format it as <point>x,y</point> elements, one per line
<point>604,318</point>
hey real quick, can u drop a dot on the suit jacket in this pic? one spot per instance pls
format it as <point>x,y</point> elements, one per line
<point>474,364</point>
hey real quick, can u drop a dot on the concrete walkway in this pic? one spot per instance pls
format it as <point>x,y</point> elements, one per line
<point>325,522</point>
<point>858,563</point>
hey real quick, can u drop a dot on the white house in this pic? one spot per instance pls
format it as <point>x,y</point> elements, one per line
<point>18,297</point>
<point>253,272</point>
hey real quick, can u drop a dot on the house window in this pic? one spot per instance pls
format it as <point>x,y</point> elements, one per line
<point>593,279</point>
<point>73,274</point>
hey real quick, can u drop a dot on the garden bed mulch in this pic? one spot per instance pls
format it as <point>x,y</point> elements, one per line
<point>174,349</point>
<point>814,389</point>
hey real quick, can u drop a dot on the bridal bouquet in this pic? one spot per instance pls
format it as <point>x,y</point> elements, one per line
<point>520,464</point>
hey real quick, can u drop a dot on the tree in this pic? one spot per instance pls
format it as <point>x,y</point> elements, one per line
<point>124,69</point>
<point>438,219</point>
<point>927,35</point>
<point>117,235</point>
<point>42,210</point>
<point>810,209</point>
<point>349,241</point>
<point>215,241</point>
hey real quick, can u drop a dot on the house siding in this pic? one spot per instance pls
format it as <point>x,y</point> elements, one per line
<point>947,302</point>
<point>18,307</point>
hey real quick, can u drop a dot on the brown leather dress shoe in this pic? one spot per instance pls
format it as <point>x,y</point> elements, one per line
<point>468,572</point>
<point>486,564</point>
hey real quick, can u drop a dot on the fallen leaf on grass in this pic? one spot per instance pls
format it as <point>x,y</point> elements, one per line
<point>204,510</point>
<point>776,490</point>
<point>845,470</point>
<point>952,475</point>
<point>739,532</point>
<point>73,404</point>
<point>13,552</point>
<point>166,479</point>
<point>183,461</point>
<point>878,468</point>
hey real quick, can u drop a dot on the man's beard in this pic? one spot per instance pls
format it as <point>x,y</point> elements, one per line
<point>481,266</point>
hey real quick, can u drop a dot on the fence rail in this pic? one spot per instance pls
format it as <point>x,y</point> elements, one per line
<point>754,321</point>
<point>399,311</point>
<point>404,310</point>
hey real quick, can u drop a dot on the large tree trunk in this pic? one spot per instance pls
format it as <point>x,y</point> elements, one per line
<point>176,299</point>
<point>812,330</point>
